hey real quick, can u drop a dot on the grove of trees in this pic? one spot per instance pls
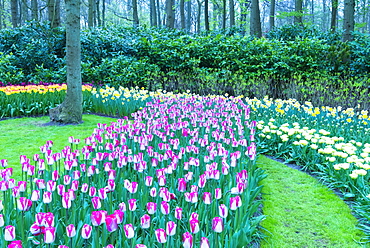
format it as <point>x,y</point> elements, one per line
<point>254,16</point>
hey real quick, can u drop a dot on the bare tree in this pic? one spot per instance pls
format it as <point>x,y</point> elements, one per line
<point>182,13</point>
<point>334,13</point>
<point>135,13</point>
<point>14,10</point>
<point>298,20</point>
<point>54,13</point>
<point>170,13</point>
<point>232,13</point>
<point>272,14</point>
<point>348,19</point>
<point>255,22</point>
<point>206,16</point>
<point>188,18</point>
<point>70,111</point>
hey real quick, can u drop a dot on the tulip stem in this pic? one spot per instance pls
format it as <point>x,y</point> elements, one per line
<point>70,243</point>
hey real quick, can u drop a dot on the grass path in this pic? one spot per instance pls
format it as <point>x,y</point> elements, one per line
<point>301,212</point>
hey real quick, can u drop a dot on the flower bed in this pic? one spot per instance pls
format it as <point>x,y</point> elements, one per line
<point>182,173</point>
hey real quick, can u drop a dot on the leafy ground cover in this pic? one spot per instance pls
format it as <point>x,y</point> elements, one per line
<point>184,183</point>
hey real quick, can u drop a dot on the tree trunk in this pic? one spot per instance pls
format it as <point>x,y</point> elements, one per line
<point>14,10</point>
<point>182,13</point>
<point>153,14</point>
<point>206,16</point>
<point>272,14</point>
<point>232,13</point>
<point>188,13</point>
<point>298,20</point>
<point>98,17</point>
<point>135,14</point>
<point>223,14</point>
<point>91,14</point>
<point>24,12</point>
<point>103,13</point>
<point>158,13</point>
<point>255,22</point>
<point>199,13</point>
<point>54,13</point>
<point>70,111</point>
<point>170,20</point>
<point>348,19</point>
<point>244,13</point>
<point>323,21</point>
<point>334,13</point>
<point>34,10</point>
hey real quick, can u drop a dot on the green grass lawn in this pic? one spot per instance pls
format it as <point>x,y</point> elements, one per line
<point>300,211</point>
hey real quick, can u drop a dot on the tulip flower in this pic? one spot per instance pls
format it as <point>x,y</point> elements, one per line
<point>84,188</point>
<point>86,231</point>
<point>63,246</point>
<point>102,193</point>
<point>132,204</point>
<point>187,240</point>
<point>178,213</point>
<point>194,225</point>
<point>151,207</point>
<point>15,244</point>
<point>61,189</point>
<point>153,192</point>
<point>92,191</point>
<point>9,233</point>
<point>222,210</point>
<point>49,235</point>
<point>1,205</point>
<point>111,223</point>
<point>109,246</point>
<point>141,246</point>
<point>148,181</point>
<point>97,218</point>
<point>55,175</point>
<point>218,193</point>
<point>161,236</point>
<point>171,228</point>
<point>204,243</point>
<point>48,220</point>
<point>207,198</point>
<point>47,197</point>
<point>71,231</point>
<point>1,220</point>
<point>217,224</point>
<point>181,185</point>
<point>24,204</point>
<point>51,186</point>
<point>22,186</point>
<point>122,206</point>
<point>119,215</point>
<point>165,207</point>
<point>66,200</point>
<point>129,231</point>
<point>96,202</point>
<point>145,221</point>
<point>235,202</point>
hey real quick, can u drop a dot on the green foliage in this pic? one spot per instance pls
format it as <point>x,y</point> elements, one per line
<point>8,71</point>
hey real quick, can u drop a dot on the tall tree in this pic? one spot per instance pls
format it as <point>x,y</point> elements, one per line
<point>334,13</point>
<point>14,10</point>
<point>348,19</point>
<point>255,22</point>
<point>324,19</point>
<point>54,13</point>
<point>272,14</point>
<point>170,13</point>
<point>34,10</point>
<point>232,13</point>
<point>199,14</point>
<point>206,16</point>
<point>223,14</point>
<point>135,13</point>
<point>91,18</point>
<point>70,111</point>
<point>188,13</point>
<point>298,18</point>
<point>153,13</point>
<point>182,13</point>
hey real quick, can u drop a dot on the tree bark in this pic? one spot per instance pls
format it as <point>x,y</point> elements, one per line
<point>34,10</point>
<point>188,13</point>
<point>54,13</point>
<point>255,22</point>
<point>182,13</point>
<point>223,14</point>
<point>14,10</point>
<point>91,14</point>
<point>272,14</point>
<point>170,20</point>
<point>158,13</point>
<point>232,13</point>
<point>334,13</point>
<point>206,16</point>
<point>298,20</point>
<point>135,14</point>
<point>323,21</point>
<point>199,13</point>
<point>70,111</point>
<point>98,17</point>
<point>153,14</point>
<point>103,13</point>
<point>348,19</point>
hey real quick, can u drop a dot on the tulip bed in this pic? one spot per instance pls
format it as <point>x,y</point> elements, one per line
<point>182,173</point>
